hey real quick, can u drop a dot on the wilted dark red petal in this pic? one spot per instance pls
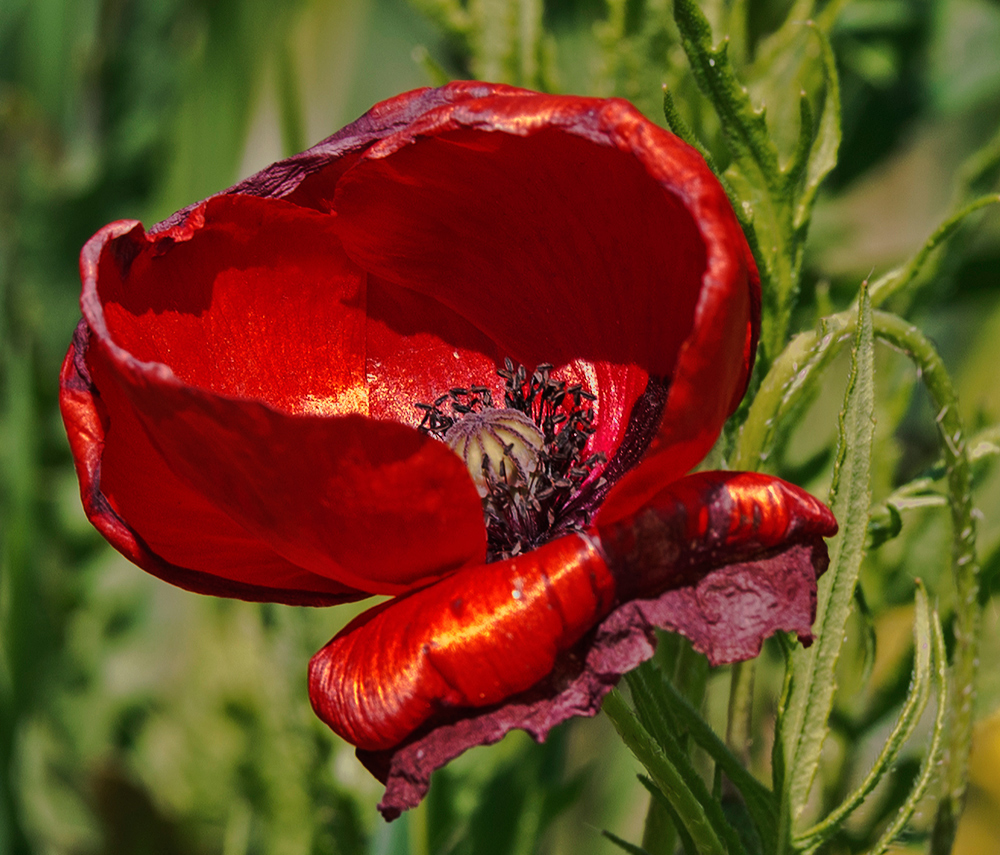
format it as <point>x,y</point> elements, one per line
<point>707,520</point>
<point>168,529</point>
<point>227,335</point>
<point>726,559</point>
<point>471,640</point>
<point>730,611</point>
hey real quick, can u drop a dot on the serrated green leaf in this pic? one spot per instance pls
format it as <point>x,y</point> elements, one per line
<point>909,716</point>
<point>759,800</point>
<point>814,678</point>
<point>646,686</point>
<point>648,690</point>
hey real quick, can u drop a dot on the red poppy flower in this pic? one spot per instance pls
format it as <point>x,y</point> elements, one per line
<point>265,391</point>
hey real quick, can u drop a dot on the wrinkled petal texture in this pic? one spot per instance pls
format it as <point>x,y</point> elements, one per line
<point>240,395</point>
<point>726,559</point>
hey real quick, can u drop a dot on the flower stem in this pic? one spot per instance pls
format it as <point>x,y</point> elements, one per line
<point>739,728</point>
<point>918,347</point>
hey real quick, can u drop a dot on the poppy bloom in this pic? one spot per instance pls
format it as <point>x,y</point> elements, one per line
<point>463,353</point>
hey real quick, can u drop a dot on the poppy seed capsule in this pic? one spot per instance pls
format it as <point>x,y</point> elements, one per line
<point>496,445</point>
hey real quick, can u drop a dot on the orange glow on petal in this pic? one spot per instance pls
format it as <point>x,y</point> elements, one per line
<point>470,640</point>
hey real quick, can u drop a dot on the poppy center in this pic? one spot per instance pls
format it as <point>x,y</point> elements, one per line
<point>526,457</point>
<point>497,445</point>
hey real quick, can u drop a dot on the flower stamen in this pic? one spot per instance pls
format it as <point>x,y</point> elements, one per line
<point>526,458</point>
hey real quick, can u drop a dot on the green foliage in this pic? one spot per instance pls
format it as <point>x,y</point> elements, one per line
<point>812,673</point>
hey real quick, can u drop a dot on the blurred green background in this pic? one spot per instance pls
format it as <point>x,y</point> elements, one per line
<point>137,718</point>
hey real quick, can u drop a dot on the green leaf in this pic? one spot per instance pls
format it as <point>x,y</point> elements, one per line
<point>822,155</point>
<point>909,716</point>
<point>648,690</point>
<point>703,830</point>
<point>813,680</point>
<point>646,686</point>
<point>745,128</point>
<point>930,765</point>
<point>759,800</point>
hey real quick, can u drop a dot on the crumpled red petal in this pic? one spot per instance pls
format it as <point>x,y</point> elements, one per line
<point>776,593</point>
<point>726,559</point>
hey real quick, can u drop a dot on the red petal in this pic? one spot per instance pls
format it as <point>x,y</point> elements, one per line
<point>556,245</point>
<point>471,640</point>
<point>707,520</point>
<point>726,559</point>
<point>225,334</point>
<point>763,596</point>
<point>156,520</point>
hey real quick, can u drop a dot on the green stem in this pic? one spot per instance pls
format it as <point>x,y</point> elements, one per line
<point>739,729</point>
<point>918,347</point>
